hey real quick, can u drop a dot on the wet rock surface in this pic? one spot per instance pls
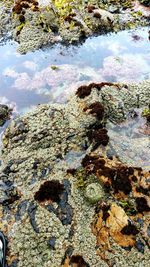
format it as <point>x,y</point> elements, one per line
<point>5,113</point>
<point>34,24</point>
<point>51,222</point>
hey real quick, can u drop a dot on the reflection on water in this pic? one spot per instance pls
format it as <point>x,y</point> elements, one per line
<point>131,140</point>
<point>50,75</point>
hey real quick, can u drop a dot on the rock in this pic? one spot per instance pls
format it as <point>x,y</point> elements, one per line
<point>113,9</point>
<point>5,112</point>
<point>41,147</point>
<point>42,21</point>
<point>8,193</point>
<point>104,15</point>
<point>36,38</point>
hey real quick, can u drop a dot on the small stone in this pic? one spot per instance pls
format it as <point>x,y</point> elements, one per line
<point>51,242</point>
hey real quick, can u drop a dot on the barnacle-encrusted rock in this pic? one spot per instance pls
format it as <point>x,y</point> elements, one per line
<point>49,222</point>
<point>36,23</point>
<point>94,192</point>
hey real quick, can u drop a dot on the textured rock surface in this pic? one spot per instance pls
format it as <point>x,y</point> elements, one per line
<point>45,214</point>
<point>34,24</point>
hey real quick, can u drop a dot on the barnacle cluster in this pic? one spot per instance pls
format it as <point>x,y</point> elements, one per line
<point>62,213</point>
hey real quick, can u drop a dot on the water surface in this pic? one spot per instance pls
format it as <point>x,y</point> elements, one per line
<point>52,74</point>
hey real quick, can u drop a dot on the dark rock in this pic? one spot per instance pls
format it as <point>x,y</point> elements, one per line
<point>140,246</point>
<point>145,2</point>
<point>51,243</point>
<point>21,209</point>
<point>32,212</point>
<point>13,264</point>
<point>7,169</point>
<point>64,210</point>
<point>8,192</point>
<point>5,113</point>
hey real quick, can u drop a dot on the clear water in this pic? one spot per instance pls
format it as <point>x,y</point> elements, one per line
<point>27,80</point>
<point>130,140</point>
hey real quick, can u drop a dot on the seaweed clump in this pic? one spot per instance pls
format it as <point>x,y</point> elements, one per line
<point>118,177</point>
<point>20,5</point>
<point>96,109</point>
<point>50,190</point>
<point>121,181</point>
<point>142,205</point>
<point>78,261</point>
<point>130,229</point>
<point>98,137</point>
<point>95,161</point>
<point>96,133</point>
<point>85,90</point>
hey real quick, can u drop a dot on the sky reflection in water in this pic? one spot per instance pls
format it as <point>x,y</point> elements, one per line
<point>31,79</point>
<point>27,80</point>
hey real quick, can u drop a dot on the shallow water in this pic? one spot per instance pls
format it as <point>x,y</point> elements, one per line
<point>130,140</point>
<point>50,75</point>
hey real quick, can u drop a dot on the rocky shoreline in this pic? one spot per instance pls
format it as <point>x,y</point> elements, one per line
<point>66,199</point>
<point>35,24</point>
